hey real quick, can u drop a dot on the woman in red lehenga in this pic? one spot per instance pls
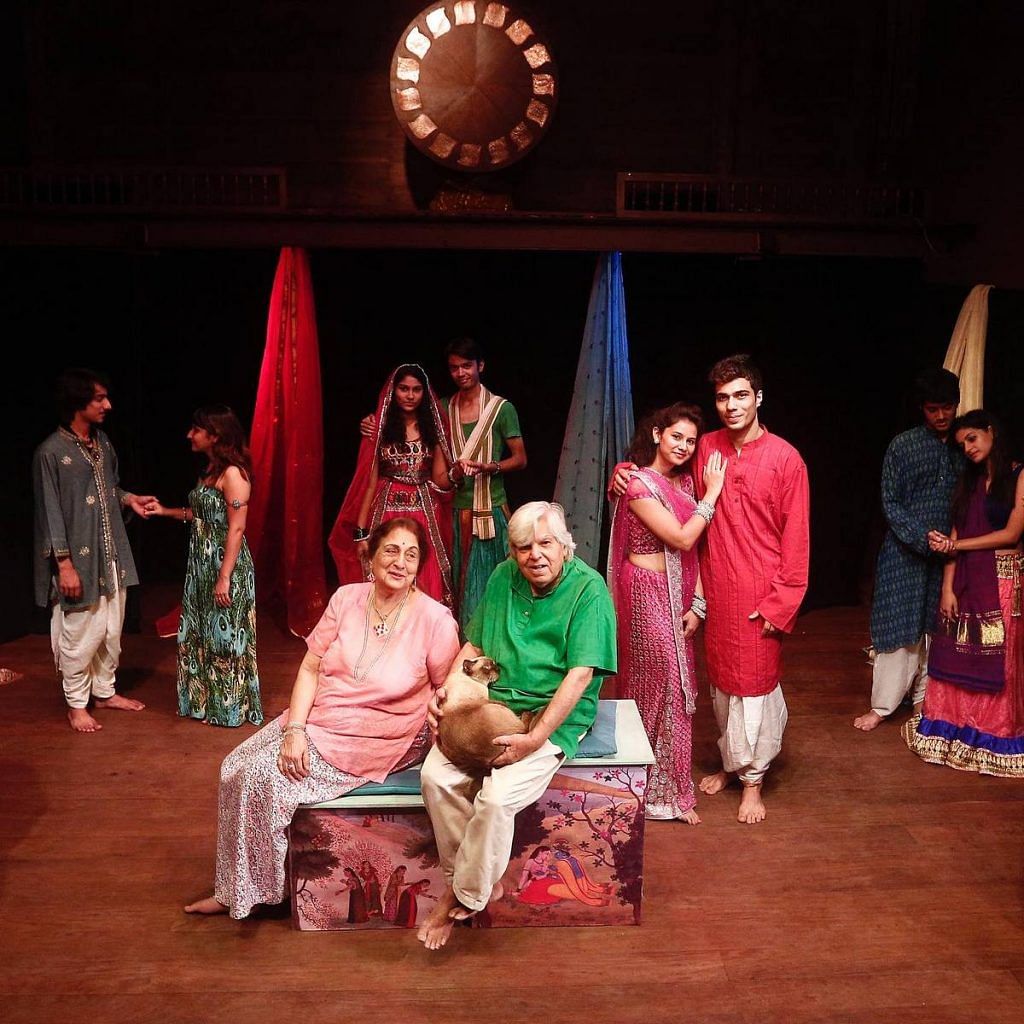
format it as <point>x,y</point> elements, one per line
<point>402,470</point>
<point>655,583</point>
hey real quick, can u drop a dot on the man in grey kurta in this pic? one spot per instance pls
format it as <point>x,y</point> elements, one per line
<point>83,561</point>
<point>919,473</point>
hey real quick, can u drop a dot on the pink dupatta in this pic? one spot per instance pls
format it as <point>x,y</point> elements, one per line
<point>680,569</point>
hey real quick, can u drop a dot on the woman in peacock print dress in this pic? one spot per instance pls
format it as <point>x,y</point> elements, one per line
<point>218,680</point>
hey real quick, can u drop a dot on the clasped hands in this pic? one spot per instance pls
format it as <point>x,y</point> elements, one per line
<point>517,746</point>
<point>940,543</point>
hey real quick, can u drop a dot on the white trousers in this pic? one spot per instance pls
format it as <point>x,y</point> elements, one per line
<point>473,820</point>
<point>896,673</point>
<point>87,648</point>
<point>751,729</point>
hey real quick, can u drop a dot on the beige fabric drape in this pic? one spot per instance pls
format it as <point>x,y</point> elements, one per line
<point>965,355</point>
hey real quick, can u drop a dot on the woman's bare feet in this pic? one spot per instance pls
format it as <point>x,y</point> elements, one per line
<point>120,703</point>
<point>691,817</point>
<point>712,784</point>
<point>436,930</point>
<point>82,721</point>
<point>752,809</point>
<point>208,906</point>
<point>872,720</point>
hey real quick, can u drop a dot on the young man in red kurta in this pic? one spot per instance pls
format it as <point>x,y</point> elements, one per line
<point>753,567</point>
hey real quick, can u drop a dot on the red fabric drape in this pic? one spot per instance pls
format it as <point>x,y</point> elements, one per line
<point>285,521</point>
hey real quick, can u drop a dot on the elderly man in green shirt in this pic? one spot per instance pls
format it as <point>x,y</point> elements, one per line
<point>546,618</point>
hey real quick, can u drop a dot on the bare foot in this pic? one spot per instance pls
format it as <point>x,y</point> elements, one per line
<point>120,703</point>
<point>82,721</point>
<point>872,720</point>
<point>752,809</point>
<point>712,784</point>
<point>460,912</point>
<point>207,906</point>
<point>436,930</point>
<point>691,817</point>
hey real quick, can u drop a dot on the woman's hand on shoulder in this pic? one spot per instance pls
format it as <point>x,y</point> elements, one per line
<point>293,757</point>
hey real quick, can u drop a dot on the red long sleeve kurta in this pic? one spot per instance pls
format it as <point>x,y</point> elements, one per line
<point>755,558</point>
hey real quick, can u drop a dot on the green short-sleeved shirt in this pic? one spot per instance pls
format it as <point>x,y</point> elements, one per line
<point>505,425</point>
<point>536,640</point>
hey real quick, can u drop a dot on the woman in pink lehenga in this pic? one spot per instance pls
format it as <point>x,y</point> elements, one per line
<point>655,582</point>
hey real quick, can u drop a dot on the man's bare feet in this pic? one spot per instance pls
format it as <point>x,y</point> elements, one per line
<point>872,720</point>
<point>120,703</point>
<point>691,817</point>
<point>208,906</point>
<point>82,721</point>
<point>712,784</point>
<point>436,930</point>
<point>752,809</point>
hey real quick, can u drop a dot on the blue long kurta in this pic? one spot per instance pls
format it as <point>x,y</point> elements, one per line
<point>919,473</point>
<point>78,514</point>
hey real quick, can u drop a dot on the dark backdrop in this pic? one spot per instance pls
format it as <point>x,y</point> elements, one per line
<point>837,340</point>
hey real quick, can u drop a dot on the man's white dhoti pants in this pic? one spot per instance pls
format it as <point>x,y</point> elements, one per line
<point>751,732</point>
<point>87,648</point>
<point>473,821</point>
<point>898,672</point>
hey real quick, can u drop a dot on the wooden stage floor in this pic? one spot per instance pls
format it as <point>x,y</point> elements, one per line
<point>879,889</point>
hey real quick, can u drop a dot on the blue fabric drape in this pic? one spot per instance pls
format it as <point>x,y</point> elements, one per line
<point>600,422</point>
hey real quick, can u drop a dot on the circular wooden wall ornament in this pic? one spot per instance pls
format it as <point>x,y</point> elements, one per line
<point>473,86</point>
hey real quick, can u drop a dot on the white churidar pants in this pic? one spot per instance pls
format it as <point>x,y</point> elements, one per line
<point>898,672</point>
<point>87,647</point>
<point>751,729</point>
<point>473,821</point>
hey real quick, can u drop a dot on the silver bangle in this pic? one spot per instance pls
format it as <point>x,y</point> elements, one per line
<point>699,607</point>
<point>295,727</point>
<point>705,510</point>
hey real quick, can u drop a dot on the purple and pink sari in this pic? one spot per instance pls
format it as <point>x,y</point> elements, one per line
<point>656,663</point>
<point>973,713</point>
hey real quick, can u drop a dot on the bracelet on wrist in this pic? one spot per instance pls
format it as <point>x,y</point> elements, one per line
<point>705,510</point>
<point>699,607</point>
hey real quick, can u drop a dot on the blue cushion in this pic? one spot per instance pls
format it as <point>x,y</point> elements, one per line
<point>396,784</point>
<point>600,738</point>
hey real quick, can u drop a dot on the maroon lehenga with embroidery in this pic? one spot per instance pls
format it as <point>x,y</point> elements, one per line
<point>404,488</point>
<point>656,663</point>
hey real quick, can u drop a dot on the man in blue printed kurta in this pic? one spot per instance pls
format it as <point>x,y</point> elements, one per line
<point>918,476</point>
<point>83,563</point>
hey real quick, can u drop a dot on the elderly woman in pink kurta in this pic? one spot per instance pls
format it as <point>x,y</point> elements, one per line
<point>358,712</point>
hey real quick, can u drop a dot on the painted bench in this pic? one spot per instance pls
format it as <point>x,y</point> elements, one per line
<point>368,859</point>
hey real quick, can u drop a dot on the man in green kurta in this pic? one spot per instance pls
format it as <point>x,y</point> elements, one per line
<point>488,443</point>
<point>546,618</point>
<point>83,563</point>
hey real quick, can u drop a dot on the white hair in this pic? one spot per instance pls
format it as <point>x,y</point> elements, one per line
<point>522,527</point>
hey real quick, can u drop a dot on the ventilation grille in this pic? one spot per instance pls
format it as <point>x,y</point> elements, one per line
<point>694,196</point>
<point>131,189</point>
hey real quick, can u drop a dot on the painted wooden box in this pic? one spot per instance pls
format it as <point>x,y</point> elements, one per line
<point>369,861</point>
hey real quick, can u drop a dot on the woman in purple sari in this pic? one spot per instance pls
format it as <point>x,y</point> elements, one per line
<point>655,583</point>
<point>973,714</point>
